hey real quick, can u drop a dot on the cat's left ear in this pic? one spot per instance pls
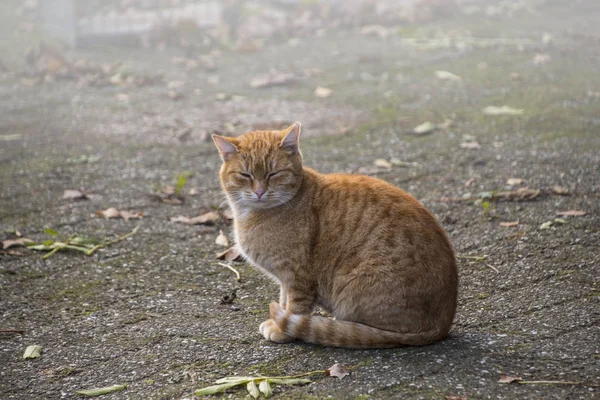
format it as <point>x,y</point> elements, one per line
<point>289,142</point>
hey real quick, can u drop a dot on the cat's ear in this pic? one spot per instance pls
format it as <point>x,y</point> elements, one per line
<point>289,142</point>
<point>226,148</point>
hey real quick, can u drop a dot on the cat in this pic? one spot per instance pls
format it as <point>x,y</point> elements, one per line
<point>363,250</point>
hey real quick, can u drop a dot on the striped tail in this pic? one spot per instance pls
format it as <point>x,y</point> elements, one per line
<point>330,332</point>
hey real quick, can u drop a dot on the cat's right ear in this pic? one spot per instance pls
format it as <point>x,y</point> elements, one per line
<point>226,148</point>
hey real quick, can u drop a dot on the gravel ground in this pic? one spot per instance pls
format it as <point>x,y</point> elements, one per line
<point>147,311</point>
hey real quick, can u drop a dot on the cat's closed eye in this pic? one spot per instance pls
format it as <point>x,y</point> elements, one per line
<point>245,175</point>
<point>272,174</point>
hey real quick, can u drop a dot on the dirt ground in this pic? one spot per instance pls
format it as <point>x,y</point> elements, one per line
<point>147,311</point>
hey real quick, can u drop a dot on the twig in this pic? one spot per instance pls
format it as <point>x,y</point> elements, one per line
<point>492,267</point>
<point>12,331</point>
<point>475,258</point>
<point>239,277</point>
<point>56,246</point>
<point>111,242</point>
<point>556,383</point>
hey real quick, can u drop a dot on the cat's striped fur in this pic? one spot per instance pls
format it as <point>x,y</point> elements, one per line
<point>362,249</point>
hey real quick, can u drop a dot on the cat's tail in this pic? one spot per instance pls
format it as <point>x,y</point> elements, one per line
<point>330,332</point>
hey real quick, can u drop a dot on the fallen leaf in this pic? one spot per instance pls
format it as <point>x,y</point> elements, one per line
<point>448,76</point>
<point>559,190</point>
<point>375,30</point>
<point>546,226</point>
<point>265,388</point>
<point>339,371</point>
<point>560,221</point>
<point>15,242</point>
<point>541,58</point>
<point>102,391</point>
<point>470,145</point>
<point>509,379</point>
<point>74,195</point>
<point>509,224</point>
<point>174,94</point>
<point>469,182</point>
<point>455,398</point>
<point>175,200</point>
<point>424,128</point>
<point>8,138</point>
<point>231,254</point>
<point>504,110</point>
<point>571,213</point>
<point>208,218</point>
<point>382,163</point>
<point>519,194</point>
<point>222,240</point>
<point>253,389</point>
<point>114,213</point>
<point>32,352</point>
<point>396,162</point>
<point>180,218</point>
<point>514,181</point>
<point>272,78</point>
<point>323,92</point>
<point>122,97</point>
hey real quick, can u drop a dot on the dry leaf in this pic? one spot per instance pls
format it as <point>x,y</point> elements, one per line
<point>323,92</point>
<point>32,352</point>
<point>504,110</point>
<point>448,76</point>
<point>514,181</point>
<point>424,128</point>
<point>519,194</point>
<point>222,240</point>
<point>541,58</point>
<point>175,200</point>
<point>208,218</point>
<point>455,398</point>
<point>571,213</point>
<point>509,224</point>
<point>174,94</point>
<point>74,195</point>
<point>339,371</point>
<point>122,97</point>
<point>114,213</point>
<point>15,242</point>
<point>559,190</point>
<point>273,78</point>
<point>470,145</point>
<point>231,254</point>
<point>546,225</point>
<point>384,164</point>
<point>375,30</point>
<point>469,182</point>
<point>509,379</point>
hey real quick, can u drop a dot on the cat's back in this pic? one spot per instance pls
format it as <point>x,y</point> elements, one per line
<point>361,212</point>
<point>343,193</point>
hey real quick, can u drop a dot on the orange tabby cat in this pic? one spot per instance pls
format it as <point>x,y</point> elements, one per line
<point>360,248</point>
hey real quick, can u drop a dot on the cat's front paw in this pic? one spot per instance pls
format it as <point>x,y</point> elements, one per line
<point>271,332</point>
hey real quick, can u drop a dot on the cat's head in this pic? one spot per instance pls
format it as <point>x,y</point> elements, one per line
<point>261,169</point>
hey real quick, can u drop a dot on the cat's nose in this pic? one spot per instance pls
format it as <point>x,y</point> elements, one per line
<point>259,192</point>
